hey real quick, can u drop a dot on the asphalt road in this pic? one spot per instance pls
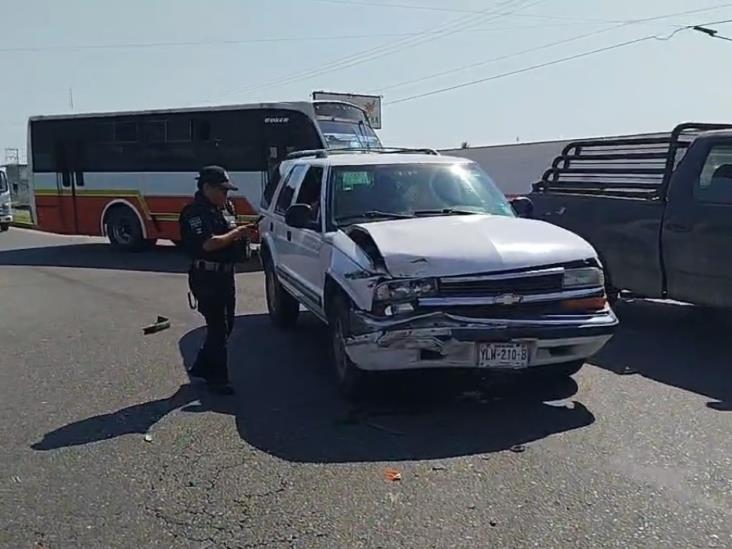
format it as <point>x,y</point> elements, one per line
<point>634,452</point>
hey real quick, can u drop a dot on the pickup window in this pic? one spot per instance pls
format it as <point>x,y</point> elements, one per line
<point>715,181</point>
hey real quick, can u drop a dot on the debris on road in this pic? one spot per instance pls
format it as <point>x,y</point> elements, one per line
<point>148,437</point>
<point>159,325</point>
<point>392,475</point>
<point>439,468</point>
<point>518,448</point>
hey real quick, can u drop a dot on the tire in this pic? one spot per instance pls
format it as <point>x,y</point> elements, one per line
<point>125,232</point>
<point>4,227</point>
<point>613,295</point>
<point>282,307</point>
<point>350,378</point>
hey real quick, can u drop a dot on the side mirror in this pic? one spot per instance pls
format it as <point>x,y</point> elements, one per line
<point>523,206</point>
<point>300,216</point>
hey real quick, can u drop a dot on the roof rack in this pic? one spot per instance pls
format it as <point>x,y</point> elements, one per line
<point>638,166</point>
<point>324,153</point>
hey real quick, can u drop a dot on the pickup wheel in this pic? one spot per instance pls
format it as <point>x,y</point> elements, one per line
<point>613,295</point>
<point>283,308</point>
<point>350,378</point>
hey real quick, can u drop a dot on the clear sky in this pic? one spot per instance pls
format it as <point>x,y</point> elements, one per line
<point>136,54</point>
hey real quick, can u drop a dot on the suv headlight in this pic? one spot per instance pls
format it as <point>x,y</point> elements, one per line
<point>405,290</point>
<point>589,277</point>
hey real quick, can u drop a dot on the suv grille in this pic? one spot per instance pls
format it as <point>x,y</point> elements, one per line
<point>521,285</point>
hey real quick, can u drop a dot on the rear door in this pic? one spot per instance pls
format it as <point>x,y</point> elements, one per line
<point>697,232</point>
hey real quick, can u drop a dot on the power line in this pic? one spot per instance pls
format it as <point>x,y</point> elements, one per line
<point>377,51</point>
<point>145,45</point>
<point>533,67</point>
<point>549,45</point>
<point>423,7</point>
<point>388,49</point>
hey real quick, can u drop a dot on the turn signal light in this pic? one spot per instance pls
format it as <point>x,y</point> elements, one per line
<point>585,304</point>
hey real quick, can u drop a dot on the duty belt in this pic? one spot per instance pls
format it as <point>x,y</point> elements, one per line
<point>213,266</point>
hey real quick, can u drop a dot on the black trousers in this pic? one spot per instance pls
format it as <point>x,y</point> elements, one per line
<point>216,296</point>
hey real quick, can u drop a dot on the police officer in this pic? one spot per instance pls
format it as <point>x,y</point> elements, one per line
<point>210,236</point>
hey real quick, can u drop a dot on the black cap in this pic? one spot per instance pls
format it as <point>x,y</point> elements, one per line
<point>215,175</point>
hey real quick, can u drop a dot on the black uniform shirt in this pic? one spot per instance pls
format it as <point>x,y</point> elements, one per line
<point>201,220</point>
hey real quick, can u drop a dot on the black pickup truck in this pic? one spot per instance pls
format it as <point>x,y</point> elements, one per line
<point>657,208</point>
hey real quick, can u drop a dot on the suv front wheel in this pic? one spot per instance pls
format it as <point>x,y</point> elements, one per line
<point>351,379</point>
<point>282,307</point>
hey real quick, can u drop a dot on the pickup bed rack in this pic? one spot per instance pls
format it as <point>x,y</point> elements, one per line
<point>638,166</point>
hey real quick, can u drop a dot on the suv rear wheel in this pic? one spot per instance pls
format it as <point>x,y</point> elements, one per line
<point>282,307</point>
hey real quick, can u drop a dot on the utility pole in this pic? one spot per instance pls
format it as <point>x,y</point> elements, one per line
<point>71,98</point>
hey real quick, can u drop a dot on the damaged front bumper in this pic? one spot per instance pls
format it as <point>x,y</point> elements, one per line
<point>443,340</point>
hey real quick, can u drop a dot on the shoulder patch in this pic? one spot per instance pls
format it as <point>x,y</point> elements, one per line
<point>196,224</point>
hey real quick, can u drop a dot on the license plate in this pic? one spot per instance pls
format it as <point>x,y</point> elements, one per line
<point>506,355</point>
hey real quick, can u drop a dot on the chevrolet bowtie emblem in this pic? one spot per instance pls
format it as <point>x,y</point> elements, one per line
<point>508,299</point>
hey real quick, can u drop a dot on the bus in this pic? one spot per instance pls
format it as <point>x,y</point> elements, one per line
<point>6,212</point>
<point>127,175</point>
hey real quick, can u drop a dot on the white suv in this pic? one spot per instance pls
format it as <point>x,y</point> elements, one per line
<point>417,260</point>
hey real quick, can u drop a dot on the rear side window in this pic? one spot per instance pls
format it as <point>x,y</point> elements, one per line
<point>715,181</point>
<point>284,199</point>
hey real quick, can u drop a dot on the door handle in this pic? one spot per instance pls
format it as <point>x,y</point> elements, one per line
<point>678,228</point>
<point>289,236</point>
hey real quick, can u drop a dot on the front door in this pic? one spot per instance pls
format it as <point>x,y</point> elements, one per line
<point>697,233</point>
<point>307,244</point>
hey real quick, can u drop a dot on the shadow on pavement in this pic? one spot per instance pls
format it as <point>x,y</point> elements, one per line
<point>287,405</point>
<point>674,344</point>
<point>135,419</point>
<point>163,259</point>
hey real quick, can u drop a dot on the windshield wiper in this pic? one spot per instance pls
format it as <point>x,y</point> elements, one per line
<point>446,211</point>
<point>374,214</point>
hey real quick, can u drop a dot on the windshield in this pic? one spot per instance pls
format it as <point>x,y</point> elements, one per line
<point>348,135</point>
<point>3,183</point>
<point>413,190</point>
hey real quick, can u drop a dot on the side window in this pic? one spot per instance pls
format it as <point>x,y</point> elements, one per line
<point>275,177</point>
<point>310,190</point>
<point>715,180</point>
<point>284,200</point>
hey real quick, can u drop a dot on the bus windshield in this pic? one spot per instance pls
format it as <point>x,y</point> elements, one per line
<point>348,135</point>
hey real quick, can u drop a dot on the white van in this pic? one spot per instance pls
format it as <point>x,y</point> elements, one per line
<point>6,212</point>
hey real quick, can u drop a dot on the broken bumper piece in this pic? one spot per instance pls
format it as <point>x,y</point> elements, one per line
<point>442,340</point>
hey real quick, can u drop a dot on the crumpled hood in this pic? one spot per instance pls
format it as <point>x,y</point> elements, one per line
<point>470,244</point>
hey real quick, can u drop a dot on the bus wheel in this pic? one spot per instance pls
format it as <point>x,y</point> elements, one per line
<point>124,230</point>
